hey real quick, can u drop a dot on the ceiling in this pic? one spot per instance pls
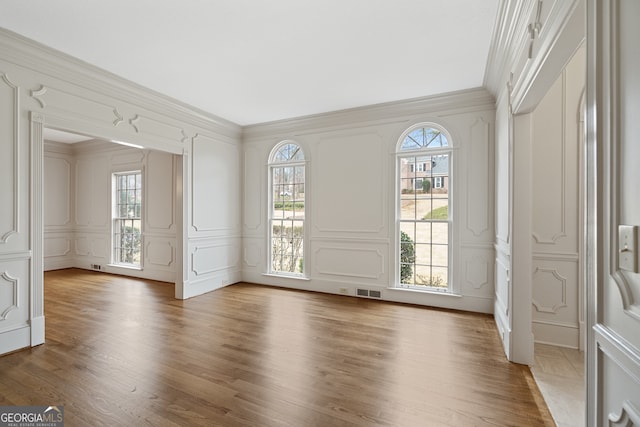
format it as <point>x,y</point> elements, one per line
<point>254,61</point>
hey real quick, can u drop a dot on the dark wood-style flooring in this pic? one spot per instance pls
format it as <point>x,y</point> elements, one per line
<point>123,352</point>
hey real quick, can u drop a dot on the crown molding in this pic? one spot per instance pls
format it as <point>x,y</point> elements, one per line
<point>32,55</point>
<point>508,43</point>
<point>443,104</point>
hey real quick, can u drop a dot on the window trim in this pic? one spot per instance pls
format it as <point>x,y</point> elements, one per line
<point>271,165</point>
<point>113,218</point>
<point>399,153</point>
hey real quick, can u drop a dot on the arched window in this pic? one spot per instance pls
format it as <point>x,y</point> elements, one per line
<point>286,209</point>
<point>423,208</point>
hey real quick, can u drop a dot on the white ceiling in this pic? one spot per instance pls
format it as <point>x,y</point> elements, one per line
<point>254,61</point>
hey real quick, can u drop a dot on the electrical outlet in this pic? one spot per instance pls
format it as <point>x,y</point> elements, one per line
<point>344,291</point>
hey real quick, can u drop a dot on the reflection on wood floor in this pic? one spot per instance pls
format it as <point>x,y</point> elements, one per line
<point>123,351</point>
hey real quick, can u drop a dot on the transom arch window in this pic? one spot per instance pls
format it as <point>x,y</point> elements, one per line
<point>287,209</point>
<point>424,224</point>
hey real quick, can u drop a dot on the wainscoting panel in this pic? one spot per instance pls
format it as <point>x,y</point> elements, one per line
<point>216,185</point>
<point>359,262</point>
<point>348,186</point>
<point>159,196</point>
<point>9,161</point>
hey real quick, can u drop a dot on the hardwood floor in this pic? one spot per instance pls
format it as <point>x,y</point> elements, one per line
<point>122,351</point>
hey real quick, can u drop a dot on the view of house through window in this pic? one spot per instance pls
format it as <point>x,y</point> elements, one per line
<point>286,213</point>
<point>424,163</point>
<point>127,218</point>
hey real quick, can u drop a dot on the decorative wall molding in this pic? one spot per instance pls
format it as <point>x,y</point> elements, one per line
<point>37,95</point>
<point>14,301</point>
<point>629,416</point>
<point>219,257</point>
<point>134,123</point>
<point>13,135</point>
<point>534,28</point>
<point>36,283</point>
<point>119,118</point>
<point>51,249</point>
<point>253,170</point>
<point>60,202</point>
<point>375,270</point>
<point>618,350</point>
<point>160,253</point>
<point>477,271</point>
<point>478,177</point>
<point>553,274</point>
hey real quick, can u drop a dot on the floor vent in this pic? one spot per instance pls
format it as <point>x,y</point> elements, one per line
<point>96,266</point>
<point>368,293</point>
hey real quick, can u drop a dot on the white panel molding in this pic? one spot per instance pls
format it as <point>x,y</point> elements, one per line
<point>477,271</point>
<point>629,416</point>
<point>67,214</point>
<point>252,255</point>
<point>360,228</point>
<point>618,350</point>
<point>37,226</point>
<point>557,256</point>
<point>630,304</point>
<point>160,202</point>
<point>563,174</point>
<point>253,205</point>
<point>230,261</point>
<point>557,323</point>
<point>159,253</point>
<point>56,246</point>
<point>370,274</point>
<point>15,256</point>
<point>14,228</point>
<point>14,301</point>
<point>82,246</point>
<point>478,177</point>
<point>196,215</point>
<point>363,240</point>
<point>502,301</point>
<point>561,280</point>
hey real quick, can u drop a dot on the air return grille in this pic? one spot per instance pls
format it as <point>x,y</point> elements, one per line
<point>368,293</point>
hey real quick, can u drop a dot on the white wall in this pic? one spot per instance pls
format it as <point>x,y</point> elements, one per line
<point>77,200</point>
<point>40,87</point>
<point>557,208</point>
<point>350,191</point>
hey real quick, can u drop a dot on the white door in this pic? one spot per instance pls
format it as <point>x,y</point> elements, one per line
<point>613,105</point>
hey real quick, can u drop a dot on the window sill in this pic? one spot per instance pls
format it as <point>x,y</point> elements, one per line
<point>286,276</point>
<point>126,267</point>
<point>426,291</point>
